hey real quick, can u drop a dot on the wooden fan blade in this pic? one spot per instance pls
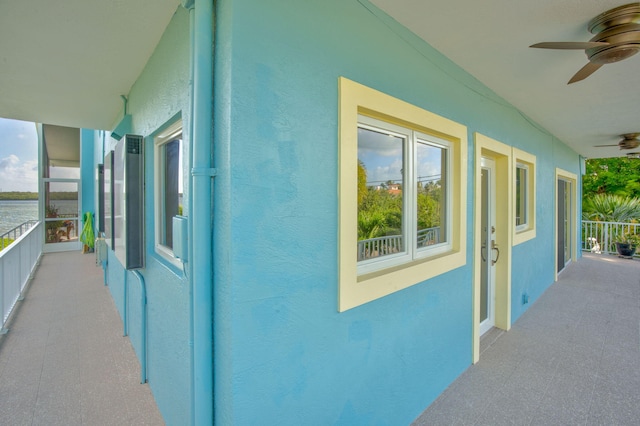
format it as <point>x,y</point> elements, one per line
<point>569,45</point>
<point>615,144</point>
<point>585,72</point>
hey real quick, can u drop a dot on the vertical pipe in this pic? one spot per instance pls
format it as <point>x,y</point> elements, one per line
<point>143,327</point>
<point>202,234</point>
<point>125,321</point>
<point>192,38</point>
<point>104,262</point>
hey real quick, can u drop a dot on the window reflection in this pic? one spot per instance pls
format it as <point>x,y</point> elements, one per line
<point>380,192</point>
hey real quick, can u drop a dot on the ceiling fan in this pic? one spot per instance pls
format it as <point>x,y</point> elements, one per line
<point>617,37</point>
<point>629,141</point>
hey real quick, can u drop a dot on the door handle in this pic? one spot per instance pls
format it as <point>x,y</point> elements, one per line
<point>494,246</point>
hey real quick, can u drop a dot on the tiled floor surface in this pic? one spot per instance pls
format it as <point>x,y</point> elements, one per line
<point>64,360</point>
<point>572,359</point>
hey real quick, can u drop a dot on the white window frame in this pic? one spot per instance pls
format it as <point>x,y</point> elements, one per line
<point>355,289</point>
<point>412,139</point>
<point>171,133</point>
<point>524,197</point>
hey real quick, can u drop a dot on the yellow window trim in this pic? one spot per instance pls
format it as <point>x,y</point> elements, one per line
<point>529,233</point>
<point>357,99</point>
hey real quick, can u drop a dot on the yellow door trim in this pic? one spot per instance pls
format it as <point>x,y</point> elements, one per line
<point>502,155</point>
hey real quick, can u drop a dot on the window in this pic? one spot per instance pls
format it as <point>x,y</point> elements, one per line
<point>524,166</point>
<point>522,181</point>
<point>402,195</point>
<point>168,186</point>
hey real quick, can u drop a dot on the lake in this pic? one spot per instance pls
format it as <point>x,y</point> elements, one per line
<point>13,213</point>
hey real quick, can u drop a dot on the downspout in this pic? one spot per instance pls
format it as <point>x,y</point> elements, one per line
<point>188,4</point>
<point>143,321</point>
<point>125,296</point>
<point>143,327</point>
<point>106,260</point>
<point>201,231</point>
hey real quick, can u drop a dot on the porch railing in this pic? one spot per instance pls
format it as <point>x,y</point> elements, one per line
<point>600,237</point>
<point>14,233</point>
<point>381,246</point>
<point>17,263</point>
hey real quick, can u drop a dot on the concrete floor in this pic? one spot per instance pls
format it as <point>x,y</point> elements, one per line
<point>572,359</point>
<point>64,360</point>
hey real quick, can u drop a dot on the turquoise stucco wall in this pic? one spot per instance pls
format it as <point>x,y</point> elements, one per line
<point>87,174</point>
<point>283,354</point>
<point>160,94</point>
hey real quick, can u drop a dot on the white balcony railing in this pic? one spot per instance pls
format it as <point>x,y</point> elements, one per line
<point>601,237</point>
<point>17,263</point>
<point>381,246</point>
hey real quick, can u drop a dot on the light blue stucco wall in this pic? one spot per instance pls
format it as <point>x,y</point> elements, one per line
<point>160,95</point>
<point>87,174</point>
<point>283,354</point>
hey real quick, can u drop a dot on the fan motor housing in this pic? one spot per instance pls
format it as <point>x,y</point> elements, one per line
<point>626,14</point>
<point>624,42</point>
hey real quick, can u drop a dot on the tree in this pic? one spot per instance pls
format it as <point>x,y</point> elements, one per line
<point>620,176</point>
<point>611,208</point>
<point>362,182</point>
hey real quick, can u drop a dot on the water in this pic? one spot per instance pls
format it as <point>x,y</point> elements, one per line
<point>13,213</point>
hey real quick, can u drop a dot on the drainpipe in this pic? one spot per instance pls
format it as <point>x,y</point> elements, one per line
<point>106,258</point>
<point>143,321</point>
<point>143,327</point>
<point>201,230</point>
<point>188,4</point>
<point>125,321</point>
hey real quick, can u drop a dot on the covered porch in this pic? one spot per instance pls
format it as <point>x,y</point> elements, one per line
<point>572,358</point>
<point>64,360</point>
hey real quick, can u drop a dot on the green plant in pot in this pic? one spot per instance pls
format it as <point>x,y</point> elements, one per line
<point>52,226</point>
<point>626,245</point>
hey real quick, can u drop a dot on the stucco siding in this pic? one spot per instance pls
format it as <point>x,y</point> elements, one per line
<point>160,95</point>
<point>283,353</point>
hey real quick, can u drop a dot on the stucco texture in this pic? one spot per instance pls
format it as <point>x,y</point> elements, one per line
<point>284,355</point>
<point>158,97</point>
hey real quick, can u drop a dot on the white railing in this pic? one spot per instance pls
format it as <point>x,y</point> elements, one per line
<point>381,246</point>
<point>17,263</point>
<point>601,237</point>
<point>15,232</point>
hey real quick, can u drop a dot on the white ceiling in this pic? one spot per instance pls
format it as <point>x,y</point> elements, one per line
<point>490,40</point>
<point>52,53</point>
<point>67,62</point>
<point>62,145</point>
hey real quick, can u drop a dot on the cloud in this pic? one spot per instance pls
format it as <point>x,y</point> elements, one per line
<point>17,175</point>
<point>9,161</point>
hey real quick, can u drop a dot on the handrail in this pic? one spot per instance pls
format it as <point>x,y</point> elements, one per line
<point>600,237</point>
<point>381,246</point>
<point>16,232</point>
<point>17,265</point>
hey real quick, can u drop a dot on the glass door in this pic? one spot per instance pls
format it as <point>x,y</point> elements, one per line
<point>61,214</point>
<point>564,224</point>
<point>488,248</point>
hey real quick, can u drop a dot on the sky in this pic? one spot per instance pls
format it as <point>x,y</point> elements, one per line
<point>382,155</point>
<point>18,156</point>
